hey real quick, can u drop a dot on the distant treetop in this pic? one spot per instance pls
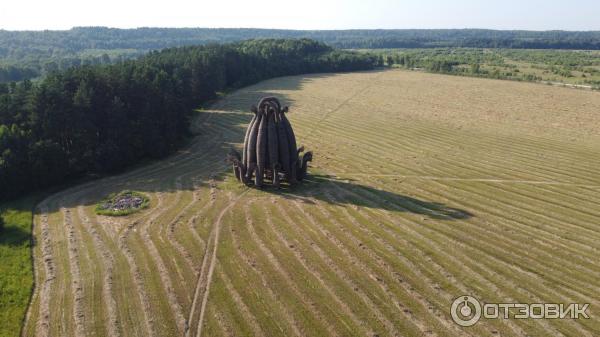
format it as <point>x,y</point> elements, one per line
<point>81,38</point>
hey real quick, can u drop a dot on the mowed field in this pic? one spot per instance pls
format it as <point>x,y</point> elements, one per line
<point>423,188</point>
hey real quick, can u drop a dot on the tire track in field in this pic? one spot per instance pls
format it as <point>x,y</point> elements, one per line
<point>181,323</point>
<point>485,180</point>
<point>43,306</point>
<point>201,271</point>
<point>203,275</point>
<point>167,283</point>
<point>343,103</point>
<point>171,228</point>
<point>204,281</point>
<point>171,231</point>
<point>168,286</point>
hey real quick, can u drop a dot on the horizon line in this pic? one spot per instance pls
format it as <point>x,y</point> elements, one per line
<point>298,30</point>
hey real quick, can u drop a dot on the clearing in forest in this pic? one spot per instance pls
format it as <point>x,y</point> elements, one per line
<point>423,188</point>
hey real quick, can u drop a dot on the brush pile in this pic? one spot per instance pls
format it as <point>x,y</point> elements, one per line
<point>270,151</point>
<point>123,203</point>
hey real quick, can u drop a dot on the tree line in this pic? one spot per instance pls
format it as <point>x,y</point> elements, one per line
<point>102,118</point>
<point>47,51</point>
<point>62,43</point>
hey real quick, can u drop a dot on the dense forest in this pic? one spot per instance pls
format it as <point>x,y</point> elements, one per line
<point>15,43</point>
<point>101,118</point>
<point>35,53</point>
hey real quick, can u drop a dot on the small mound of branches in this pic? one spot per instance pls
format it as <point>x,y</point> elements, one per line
<point>122,203</point>
<point>270,151</point>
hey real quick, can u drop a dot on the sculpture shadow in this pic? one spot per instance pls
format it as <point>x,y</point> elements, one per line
<point>349,192</point>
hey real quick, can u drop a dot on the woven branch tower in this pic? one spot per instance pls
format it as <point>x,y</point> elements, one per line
<point>270,151</point>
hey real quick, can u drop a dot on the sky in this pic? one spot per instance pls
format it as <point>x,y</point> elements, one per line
<point>302,14</point>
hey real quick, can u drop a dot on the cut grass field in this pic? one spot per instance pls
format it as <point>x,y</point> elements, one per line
<point>423,188</point>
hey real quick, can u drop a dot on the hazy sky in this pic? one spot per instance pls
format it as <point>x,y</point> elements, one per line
<point>303,14</point>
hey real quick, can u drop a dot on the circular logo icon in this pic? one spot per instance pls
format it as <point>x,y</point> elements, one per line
<point>466,310</point>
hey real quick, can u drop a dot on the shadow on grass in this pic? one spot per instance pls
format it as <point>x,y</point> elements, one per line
<point>12,236</point>
<point>328,189</point>
<point>217,130</point>
<point>17,217</point>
